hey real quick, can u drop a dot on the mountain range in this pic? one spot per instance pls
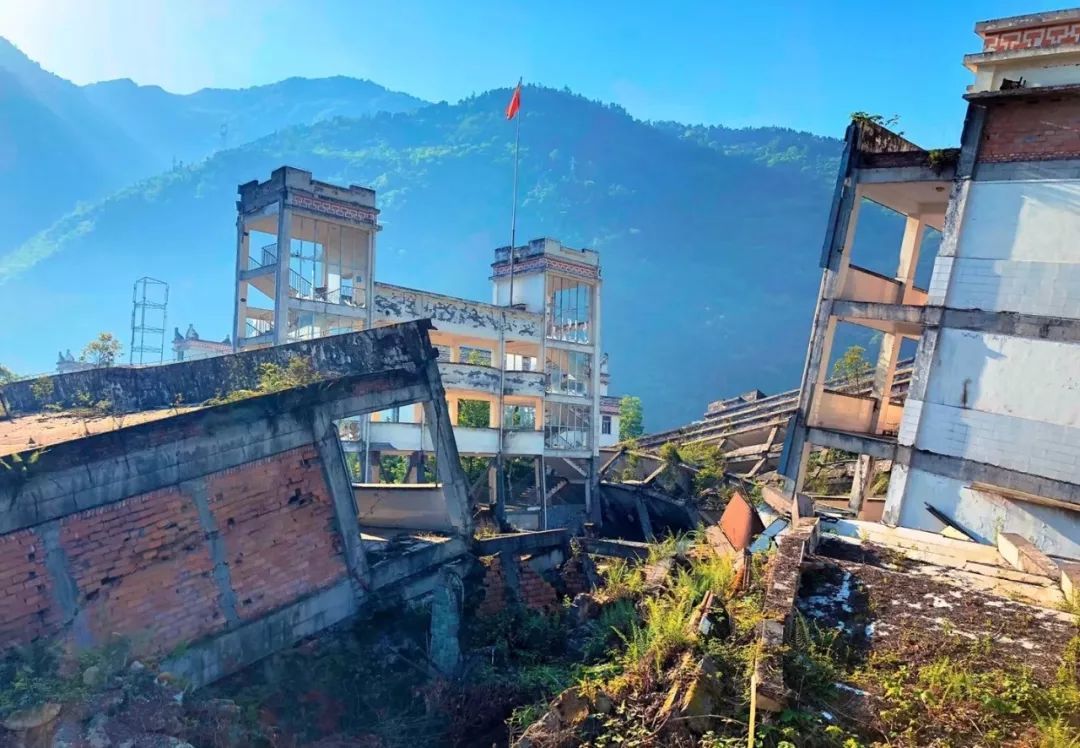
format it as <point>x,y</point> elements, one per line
<point>709,236</point>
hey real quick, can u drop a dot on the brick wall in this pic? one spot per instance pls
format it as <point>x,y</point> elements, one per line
<point>26,606</point>
<point>145,567</point>
<point>536,593</point>
<point>500,590</point>
<point>143,570</point>
<point>494,587</point>
<point>276,519</point>
<point>1031,130</point>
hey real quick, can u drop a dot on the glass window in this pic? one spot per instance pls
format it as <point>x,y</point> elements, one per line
<point>567,426</point>
<point>569,372</point>
<point>569,310</point>
<point>605,424</point>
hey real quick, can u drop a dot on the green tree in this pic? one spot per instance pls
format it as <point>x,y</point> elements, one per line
<point>631,420</point>
<point>852,368</point>
<point>6,375</point>
<point>393,468</point>
<point>102,351</point>
<point>474,413</point>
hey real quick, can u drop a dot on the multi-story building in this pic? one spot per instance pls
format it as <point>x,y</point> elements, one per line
<point>524,375</point>
<point>988,439</point>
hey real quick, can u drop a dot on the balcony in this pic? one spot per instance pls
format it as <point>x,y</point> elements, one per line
<point>454,315</point>
<point>846,421</point>
<point>414,437</point>
<point>480,378</point>
<point>880,302</point>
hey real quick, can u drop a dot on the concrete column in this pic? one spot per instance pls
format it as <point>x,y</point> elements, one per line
<point>240,307</point>
<point>447,459</point>
<point>281,281</point>
<point>594,385</point>
<point>815,371</point>
<point>881,391</point>
<point>910,247</point>
<point>861,482</point>
<point>369,323</point>
<point>336,474</point>
<point>415,468</point>
<point>538,463</point>
<point>493,484</point>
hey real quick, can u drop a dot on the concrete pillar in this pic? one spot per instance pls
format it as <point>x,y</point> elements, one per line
<point>240,308</point>
<point>861,482</point>
<point>447,459</point>
<point>538,468</point>
<point>415,470</point>
<point>815,370</point>
<point>881,391</point>
<point>369,323</point>
<point>281,278</point>
<point>493,482</point>
<point>336,474</point>
<point>910,247</point>
<point>446,602</point>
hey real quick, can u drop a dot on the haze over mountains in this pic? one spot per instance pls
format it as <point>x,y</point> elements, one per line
<point>709,236</point>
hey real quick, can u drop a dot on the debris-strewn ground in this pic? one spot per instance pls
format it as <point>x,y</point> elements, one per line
<point>912,655</point>
<point>881,651</point>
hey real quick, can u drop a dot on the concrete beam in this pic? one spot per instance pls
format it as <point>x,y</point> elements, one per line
<point>868,310</point>
<point>900,174</point>
<point>617,548</point>
<point>1027,170</point>
<point>211,659</point>
<point>523,542</point>
<point>400,568</point>
<point>384,350</point>
<point>105,468</point>
<point>1009,484</point>
<point>857,443</point>
<point>1058,329</point>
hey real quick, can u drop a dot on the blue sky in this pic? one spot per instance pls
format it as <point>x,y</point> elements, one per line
<point>802,65</point>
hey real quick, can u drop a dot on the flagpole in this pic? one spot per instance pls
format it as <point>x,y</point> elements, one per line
<point>502,488</point>
<point>513,211</point>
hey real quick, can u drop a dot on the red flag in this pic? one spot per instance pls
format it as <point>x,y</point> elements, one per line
<point>515,103</point>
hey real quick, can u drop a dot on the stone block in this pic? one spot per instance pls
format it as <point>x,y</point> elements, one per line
<point>1022,554</point>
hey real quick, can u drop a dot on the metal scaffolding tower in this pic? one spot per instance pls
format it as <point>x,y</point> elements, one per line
<point>148,301</point>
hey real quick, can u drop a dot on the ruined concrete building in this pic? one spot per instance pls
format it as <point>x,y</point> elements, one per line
<point>524,375</point>
<point>219,531</point>
<point>988,440</point>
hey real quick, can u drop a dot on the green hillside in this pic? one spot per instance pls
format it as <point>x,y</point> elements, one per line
<point>709,236</point>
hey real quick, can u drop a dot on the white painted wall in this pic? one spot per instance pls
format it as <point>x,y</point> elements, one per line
<point>1055,531</point>
<point>1019,377</point>
<point>1017,250</point>
<point>528,290</point>
<point>1000,400</point>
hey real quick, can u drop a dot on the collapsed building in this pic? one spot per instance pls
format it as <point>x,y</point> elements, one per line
<point>221,528</point>
<point>988,439</point>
